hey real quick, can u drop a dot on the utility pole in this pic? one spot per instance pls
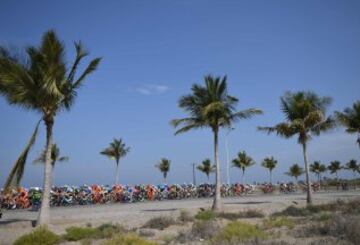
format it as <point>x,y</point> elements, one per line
<point>194,176</point>
<point>227,156</point>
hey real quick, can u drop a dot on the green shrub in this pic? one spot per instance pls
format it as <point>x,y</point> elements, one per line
<point>237,232</point>
<point>79,233</point>
<point>205,215</point>
<point>160,223</point>
<point>278,222</point>
<point>38,236</point>
<point>130,239</point>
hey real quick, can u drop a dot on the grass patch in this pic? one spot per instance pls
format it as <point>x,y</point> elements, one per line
<point>200,229</point>
<point>292,211</point>
<point>38,236</point>
<point>160,223</point>
<point>79,233</point>
<point>322,216</point>
<point>129,239</point>
<point>251,213</point>
<point>349,207</point>
<point>277,222</point>
<point>101,232</point>
<point>204,229</point>
<point>205,215</point>
<point>340,227</point>
<point>109,230</point>
<point>185,216</point>
<point>237,232</point>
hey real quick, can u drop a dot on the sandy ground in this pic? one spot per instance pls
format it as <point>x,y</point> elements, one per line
<point>17,222</point>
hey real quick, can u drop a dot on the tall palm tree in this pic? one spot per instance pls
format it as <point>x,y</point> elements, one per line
<point>55,157</point>
<point>116,150</point>
<point>164,167</point>
<point>353,166</point>
<point>317,168</point>
<point>350,119</point>
<point>206,167</point>
<point>43,82</point>
<point>269,163</point>
<point>335,167</point>
<point>211,106</point>
<point>305,117</point>
<point>295,171</point>
<point>243,161</point>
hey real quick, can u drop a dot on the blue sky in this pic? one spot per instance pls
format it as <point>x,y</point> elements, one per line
<point>153,51</point>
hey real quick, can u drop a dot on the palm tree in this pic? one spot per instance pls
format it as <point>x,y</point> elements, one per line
<point>116,150</point>
<point>305,117</point>
<point>334,168</point>
<point>243,161</point>
<point>55,157</point>
<point>43,82</point>
<point>164,167</point>
<point>350,119</point>
<point>295,171</point>
<point>353,166</point>
<point>211,106</point>
<point>206,167</point>
<point>269,163</point>
<point>317,168</point>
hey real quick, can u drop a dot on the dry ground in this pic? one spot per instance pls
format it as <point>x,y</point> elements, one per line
<point>17,222</point>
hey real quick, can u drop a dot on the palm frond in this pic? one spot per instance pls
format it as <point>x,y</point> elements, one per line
<point>80,54</point>
<point>17,171</point>
<point>89,69</point>
<point>247,114</point>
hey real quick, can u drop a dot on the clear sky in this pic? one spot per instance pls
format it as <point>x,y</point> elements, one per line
<point>153,51</point>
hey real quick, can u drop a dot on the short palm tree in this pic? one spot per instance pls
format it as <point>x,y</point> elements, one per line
<point>43,82</point>
<point>211,106</point>
<point>350,119</point>
<point>334,168</point>
<point>55,157</point>
<point>164,167</point>
<point>352,166</point>
<point>295,171</point>
<point>305,117</point>
<point>116,150</point>
<point>318,168</point>
<point>269,163</point>
<point>206,167</point>
<point>243,161</point>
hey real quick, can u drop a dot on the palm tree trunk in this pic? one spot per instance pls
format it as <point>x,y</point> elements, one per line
<point>117,173</point>
<point>217,199</point>
<point>243,177</point>
<point>270,177</point>
<point>44,215</point>
<point>165,180</point>
<point>309,194</point>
